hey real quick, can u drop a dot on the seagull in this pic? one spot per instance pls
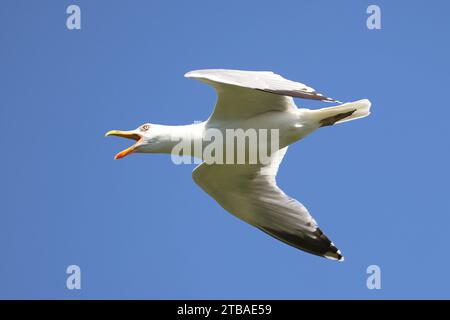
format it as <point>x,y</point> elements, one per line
<point>249,191</point>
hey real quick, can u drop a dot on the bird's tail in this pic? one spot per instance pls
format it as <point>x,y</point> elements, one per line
<point>342,113</point>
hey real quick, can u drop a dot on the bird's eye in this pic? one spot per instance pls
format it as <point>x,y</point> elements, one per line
<point>145,127</point>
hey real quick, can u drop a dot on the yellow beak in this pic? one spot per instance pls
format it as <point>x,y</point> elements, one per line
<point>128,135</point>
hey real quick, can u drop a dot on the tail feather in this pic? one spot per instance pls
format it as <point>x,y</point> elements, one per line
<point>342,113</point>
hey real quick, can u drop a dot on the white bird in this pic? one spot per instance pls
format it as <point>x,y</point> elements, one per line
<point>259,100</point>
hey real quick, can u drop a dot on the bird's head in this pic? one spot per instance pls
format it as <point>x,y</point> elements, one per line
<point>146,137</point>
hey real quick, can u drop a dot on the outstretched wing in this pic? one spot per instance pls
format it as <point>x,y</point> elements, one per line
<point>250,192</point>
<point>243,94</point>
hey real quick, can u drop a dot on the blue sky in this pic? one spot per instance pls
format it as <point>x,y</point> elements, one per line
<point>140,227</point>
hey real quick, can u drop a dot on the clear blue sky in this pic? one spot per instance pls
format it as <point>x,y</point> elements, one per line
<point>141,228</point>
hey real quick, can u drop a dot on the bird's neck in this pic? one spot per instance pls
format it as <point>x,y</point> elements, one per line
<point>176,137</point>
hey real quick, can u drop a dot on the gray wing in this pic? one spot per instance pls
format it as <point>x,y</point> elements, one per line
<point>243,94</point>
<point>250,192</point>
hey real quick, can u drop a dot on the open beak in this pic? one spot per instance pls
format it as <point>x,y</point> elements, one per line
<point>125,134</point>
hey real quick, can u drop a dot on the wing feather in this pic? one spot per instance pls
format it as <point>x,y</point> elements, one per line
<point>243,94</point>
<point>250,192</point>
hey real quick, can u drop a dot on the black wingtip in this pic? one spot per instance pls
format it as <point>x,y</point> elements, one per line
<point>334,256</point>
<point>333,253</point>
